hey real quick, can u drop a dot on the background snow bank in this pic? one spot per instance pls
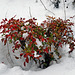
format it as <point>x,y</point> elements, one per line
<point>20,8</point>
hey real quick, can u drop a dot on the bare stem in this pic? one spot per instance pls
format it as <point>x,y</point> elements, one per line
<point>46,8</point>
<point>64,10</point>
<point>30,12</point>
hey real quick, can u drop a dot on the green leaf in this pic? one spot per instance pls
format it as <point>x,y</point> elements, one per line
<point>10,41</point>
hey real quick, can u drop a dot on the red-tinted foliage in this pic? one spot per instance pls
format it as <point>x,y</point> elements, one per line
<point>51,32</point>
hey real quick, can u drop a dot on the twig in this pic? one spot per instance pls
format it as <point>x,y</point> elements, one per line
<point>6,13</point>
<point>30,12</point>
<point>43,4</point>
<point>46,8</point>
<point>51,1</point>
<point>64,10</point>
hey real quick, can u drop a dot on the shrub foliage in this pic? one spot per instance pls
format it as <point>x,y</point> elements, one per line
<point>24,34</point>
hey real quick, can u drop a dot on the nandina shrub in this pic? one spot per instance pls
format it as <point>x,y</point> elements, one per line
<point>25,33</point>
<point>59,33</point>
<point>15,30</point>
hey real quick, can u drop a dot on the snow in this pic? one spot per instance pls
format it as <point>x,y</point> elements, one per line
<point>21,8</point>
<point>66,67</point>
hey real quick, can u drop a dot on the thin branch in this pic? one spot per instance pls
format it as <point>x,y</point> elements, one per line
<point>52,2</point>
<point>46,8</point>
<point>64,10</point>
<point>30,12</point>
<point>43,4</point>
<point>6,13</point>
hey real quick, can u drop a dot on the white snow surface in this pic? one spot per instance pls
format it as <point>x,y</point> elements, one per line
<point>21,8</point>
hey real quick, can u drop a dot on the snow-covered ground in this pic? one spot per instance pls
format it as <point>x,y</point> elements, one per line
<point>23,8</point>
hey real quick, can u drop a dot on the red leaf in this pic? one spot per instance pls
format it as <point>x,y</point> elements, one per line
<point>2,39</point>
<point>0,27</point>
<point>7,36</point>
<point>14,16</point>
<point>46,50</point>
<point>33,39</point>
<point>7,31</point>
<point>3,31</point>
<point>39,51</point>
<point>53,41</point>
<point>13,29</point>
<point>30,27</point>
<point>25,55</point>
<point>34,18</point>
<point>37,57</point>
<point>13,50</point>
<point>11,37</point>
<point>23,18</point>
<point>27,60</point>
<point>21,54</point>
<point>71,50</point>
<point>31,55</point>
<point>17,42</point>
<point>16,57</point>
<point>16,32</point>
<point>60,44</point>
<point>71,17</point>
<point>5,41</point>
<point>42,39</point>
<point>74,40</point>
<point>5,19</point>
<point>21,38</point>
<point>32,48</point>
<point>31,43</point>
<point>32,51</point>
<point>11,26</point>
<point>47,38</point>
<point>2,62</point>
<point>42,24</point>
<point>71,31</point>
<point>40,55</point>
<point>2,22</point>
<point>24,64</point>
